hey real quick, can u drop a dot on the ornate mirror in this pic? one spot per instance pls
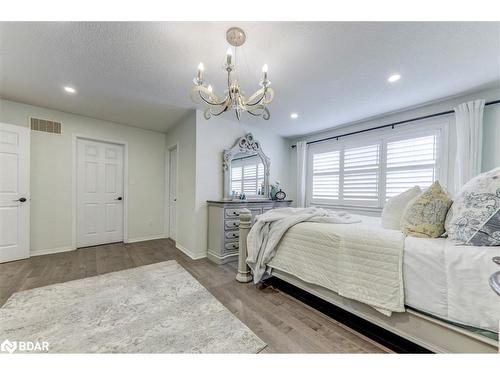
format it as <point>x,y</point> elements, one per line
<point>246,169</point>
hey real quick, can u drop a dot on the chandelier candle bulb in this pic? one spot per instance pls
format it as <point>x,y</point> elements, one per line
<point>264,72</point>
<point>201,68</point>
<point>229,55</point>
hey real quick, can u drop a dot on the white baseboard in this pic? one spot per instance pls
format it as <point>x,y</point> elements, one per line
<point>147,238</point>
<point>55,250</point>
<point>189,253</point>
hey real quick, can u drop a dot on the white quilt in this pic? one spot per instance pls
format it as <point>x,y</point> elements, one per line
<point>361,264</point>
<point>272,225</point>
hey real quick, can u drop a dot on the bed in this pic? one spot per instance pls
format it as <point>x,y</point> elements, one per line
<point>449,305</point>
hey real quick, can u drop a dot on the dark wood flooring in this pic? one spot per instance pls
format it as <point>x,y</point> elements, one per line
<point>284,323</point>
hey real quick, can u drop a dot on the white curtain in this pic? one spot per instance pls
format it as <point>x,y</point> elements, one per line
<point>469,125</point>
<point>301,148</point>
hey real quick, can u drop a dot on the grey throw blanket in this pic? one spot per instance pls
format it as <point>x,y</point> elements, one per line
<point>272,225</point>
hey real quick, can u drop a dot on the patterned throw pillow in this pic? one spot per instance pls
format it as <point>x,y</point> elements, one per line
<point>472,217</point>
<point>489,234</point>
<point>425,214</point>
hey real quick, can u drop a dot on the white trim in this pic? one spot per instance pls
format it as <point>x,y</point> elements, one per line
<point>74,138</point>
<point>167,188</point>
<point>189,253</point>
<point>55,250</point>
<point>146,238</point>
<point>221,259</point>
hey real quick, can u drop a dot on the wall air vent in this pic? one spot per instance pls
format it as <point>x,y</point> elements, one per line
<point>45,125</point>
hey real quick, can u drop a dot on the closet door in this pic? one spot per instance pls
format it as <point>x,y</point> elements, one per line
<point>99,193</point>
<point>14,192</point>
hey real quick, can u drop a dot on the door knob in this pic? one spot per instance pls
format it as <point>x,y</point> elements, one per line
<point>22,200</point>
<point>118,199</point>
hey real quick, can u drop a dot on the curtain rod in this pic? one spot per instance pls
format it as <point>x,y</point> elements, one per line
<point>390,125</point>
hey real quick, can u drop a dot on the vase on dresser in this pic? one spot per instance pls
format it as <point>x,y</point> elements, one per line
<point>224,224</point>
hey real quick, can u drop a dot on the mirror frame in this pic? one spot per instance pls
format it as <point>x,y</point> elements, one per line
<point>244,145</point>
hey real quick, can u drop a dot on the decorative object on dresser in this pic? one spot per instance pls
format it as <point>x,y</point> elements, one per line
<point>280,195</point>
<point>224,224</point>
<point>274,189</point>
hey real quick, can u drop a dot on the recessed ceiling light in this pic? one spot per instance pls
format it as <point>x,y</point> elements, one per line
<point>394,78</point>
<point>294,115</point>
<point>69,90</point>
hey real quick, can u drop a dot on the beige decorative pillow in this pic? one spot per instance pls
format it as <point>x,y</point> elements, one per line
<point>395,208</point>
<point>425,214</point>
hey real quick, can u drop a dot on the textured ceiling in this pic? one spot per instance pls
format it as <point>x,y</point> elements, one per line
<point>330,73</point>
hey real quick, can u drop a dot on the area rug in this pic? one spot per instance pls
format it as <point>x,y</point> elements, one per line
<point>159,308</point>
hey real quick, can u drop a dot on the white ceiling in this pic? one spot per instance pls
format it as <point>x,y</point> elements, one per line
<point>330,73</point>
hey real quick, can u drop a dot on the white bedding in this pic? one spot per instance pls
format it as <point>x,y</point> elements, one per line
<point>450,282</point>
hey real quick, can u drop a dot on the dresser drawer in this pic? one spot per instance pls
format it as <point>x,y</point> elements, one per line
<point>266,208</point>
<point>231,213</point>
<point>232,224</point>
<point>231,246</point>
<point>231,235</point>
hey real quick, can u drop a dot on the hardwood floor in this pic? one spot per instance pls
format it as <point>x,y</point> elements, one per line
<point>284,323</point>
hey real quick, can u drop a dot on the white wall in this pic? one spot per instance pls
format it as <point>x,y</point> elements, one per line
<point>201,143</point>
<point>51,174</point>
<point>183,134</point>
<point>491,155</point>
<point>212,137</point>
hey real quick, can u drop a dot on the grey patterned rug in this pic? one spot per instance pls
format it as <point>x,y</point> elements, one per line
<point>159,308</point>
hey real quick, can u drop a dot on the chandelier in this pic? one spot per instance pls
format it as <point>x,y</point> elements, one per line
<point>234,98</point>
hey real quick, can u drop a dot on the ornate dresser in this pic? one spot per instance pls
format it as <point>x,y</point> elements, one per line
<point>224,223</point>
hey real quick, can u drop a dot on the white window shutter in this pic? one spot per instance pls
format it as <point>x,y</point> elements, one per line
<point>361,173</point>
<point>410,162</point>
<point>325,176</point>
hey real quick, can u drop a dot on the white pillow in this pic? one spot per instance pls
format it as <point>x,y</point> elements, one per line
<point>395,207</point>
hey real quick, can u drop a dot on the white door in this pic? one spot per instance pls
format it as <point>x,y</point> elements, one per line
<point>14,192</point>
<point>100,197</point>
<point>172,188</point>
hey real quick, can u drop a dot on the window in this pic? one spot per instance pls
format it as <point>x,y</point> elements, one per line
<point>247,175</point>
<point>410,162</point>
<point>366,172</point>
